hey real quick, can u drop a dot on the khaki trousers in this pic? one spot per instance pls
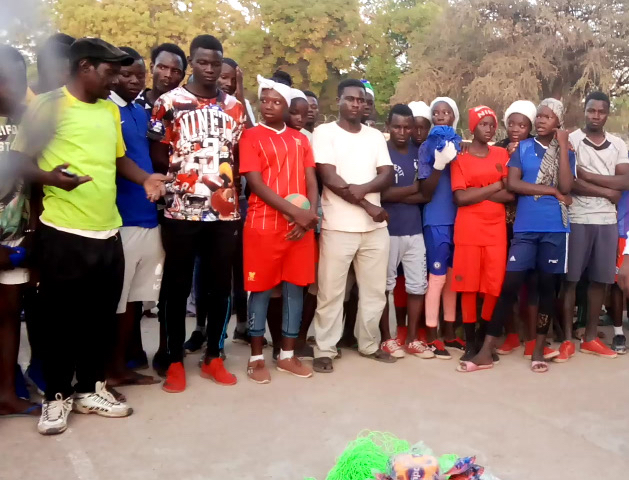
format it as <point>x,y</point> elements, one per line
<point>369,253</point>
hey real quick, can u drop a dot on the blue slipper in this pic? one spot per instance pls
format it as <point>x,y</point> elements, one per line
<point>24,413</point>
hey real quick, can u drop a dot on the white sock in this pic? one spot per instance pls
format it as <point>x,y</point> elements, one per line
<point>286,355</point>
<point>618,331</point>
<point>255,358</point>
<point>200,329</point>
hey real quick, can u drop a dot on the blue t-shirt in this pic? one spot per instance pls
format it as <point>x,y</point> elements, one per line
<point>404,218</point>
<point>441,210</point>
<point>544,214</point>
<point>623,214</point>
<point>135,209</point>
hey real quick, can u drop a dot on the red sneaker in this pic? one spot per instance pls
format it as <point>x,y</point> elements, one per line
<point>511,343</point>
<point>566,352</point>
<point>422,335</point>
<point>596,347</point>
<point>529,347</point>
<point>215,370</point>
<point>401,335</point>
<point>175,378</point>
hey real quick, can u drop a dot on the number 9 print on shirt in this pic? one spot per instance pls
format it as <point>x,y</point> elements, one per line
<point>202,133</point>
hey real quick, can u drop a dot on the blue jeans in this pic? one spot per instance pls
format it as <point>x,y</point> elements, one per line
<point>293,296</point>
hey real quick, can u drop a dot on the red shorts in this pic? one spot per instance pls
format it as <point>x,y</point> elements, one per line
<point>270,259</point>
<point>479,269</point>
<point>622,242</point>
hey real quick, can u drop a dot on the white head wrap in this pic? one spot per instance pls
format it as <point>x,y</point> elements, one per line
<point>296,93</point>
<point>421,109</point>
<point>556,106</point>
<point>453,106</point>
<point>283,90</point>
<point>524,107</point>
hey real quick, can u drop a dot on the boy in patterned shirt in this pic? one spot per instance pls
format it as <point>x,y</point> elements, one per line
<point>194,129</point>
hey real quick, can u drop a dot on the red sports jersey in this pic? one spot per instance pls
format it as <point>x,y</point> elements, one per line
<point>483,223</point>
<point>282,158</point>
<point>202,133</point>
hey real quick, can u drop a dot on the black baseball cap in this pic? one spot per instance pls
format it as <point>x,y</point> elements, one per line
<point>99,50</point>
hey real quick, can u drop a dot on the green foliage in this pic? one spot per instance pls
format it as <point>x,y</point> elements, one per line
<point>483,51</point>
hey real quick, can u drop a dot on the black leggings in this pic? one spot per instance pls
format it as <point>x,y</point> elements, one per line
<point>508,296</point>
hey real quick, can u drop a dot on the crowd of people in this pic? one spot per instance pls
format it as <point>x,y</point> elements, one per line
<point>116,197</point>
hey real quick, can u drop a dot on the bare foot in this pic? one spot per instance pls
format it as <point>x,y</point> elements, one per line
<point>19,406</point>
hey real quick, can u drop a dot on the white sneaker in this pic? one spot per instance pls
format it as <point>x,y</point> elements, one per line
<point>101,402</point>
<point>54,415</point>
<point>392,348</point>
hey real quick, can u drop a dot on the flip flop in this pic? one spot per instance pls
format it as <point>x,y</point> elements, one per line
<point>536,363</point>
<point>24,413</point>
<point>135,379</point>
<point>323,365</point>
<point>469,367</point>
<point>379,356</point>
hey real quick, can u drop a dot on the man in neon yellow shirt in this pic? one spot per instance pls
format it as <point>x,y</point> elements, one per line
<point>71,142</point>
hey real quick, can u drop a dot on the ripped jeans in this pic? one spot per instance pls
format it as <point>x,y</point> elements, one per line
<point>293,300</point>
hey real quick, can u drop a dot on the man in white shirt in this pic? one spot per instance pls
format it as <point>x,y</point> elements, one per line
<point>602,175</point>
<point>354,166</point>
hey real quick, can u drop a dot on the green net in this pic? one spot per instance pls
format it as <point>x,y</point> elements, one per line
<point>367,455</point>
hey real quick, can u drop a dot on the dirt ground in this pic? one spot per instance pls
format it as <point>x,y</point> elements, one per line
<point>571,423</point>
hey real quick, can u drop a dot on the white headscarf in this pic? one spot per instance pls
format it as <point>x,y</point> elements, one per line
<point>556,106</point>
<point>453,106</point>
<point>296,93</point>
<point>283,90</point>
<point>524,107</point>
<point>421,109</point>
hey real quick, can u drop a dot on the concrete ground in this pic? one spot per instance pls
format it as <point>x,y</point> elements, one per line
<point>571,423</point>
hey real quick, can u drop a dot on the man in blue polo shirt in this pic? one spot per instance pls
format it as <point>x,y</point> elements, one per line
<point>141,239</point>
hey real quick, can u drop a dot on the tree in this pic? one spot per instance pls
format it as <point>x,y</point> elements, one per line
<point>313,41</point>
<point>144,24</point>
<point>391,27</point>
<point>494,52</point>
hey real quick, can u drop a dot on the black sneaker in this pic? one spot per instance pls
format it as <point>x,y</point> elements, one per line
<point>241,337</point>
<point>160,363</point>
<point>470,351</point>
<point>619,344</point>
<point>457,344</point>
<point>276,353</point>
<point>304,353</point>
<point>195,342</point>
<point>439,349</point>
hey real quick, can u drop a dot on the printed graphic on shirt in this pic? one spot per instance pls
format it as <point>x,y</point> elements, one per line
<point>202,133</point>
<point>14,207</point>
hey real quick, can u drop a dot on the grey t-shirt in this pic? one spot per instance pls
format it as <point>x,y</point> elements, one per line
<point>602,160</point>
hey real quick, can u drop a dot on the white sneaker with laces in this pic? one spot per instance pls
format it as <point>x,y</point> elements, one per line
<point>101,402</point>
<point>393,348</point>
<point>54,415</point>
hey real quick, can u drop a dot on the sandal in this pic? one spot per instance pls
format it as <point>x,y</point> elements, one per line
<point>323,365</point>
<point>380,356</point>
<point>469,367</point>
<point>134,378</point>
<point>539,367</point>
<point>33,411</point>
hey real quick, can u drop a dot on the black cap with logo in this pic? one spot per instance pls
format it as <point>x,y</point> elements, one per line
<point>98,50</point>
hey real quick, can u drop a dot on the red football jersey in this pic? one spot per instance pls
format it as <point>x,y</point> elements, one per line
<point>282,158</point>
<point>483,223</point>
